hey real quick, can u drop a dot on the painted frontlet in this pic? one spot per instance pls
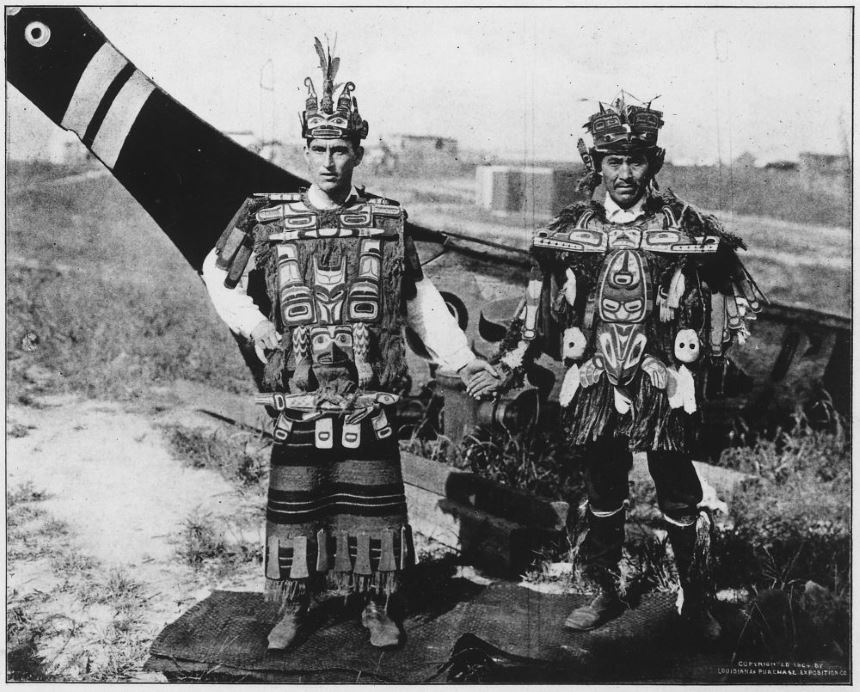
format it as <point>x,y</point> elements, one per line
<point>621,127</point>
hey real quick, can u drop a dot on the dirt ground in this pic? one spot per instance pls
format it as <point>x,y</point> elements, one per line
<point>107,505</point>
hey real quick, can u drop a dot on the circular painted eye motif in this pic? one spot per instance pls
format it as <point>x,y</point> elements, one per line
<point>687,345</point>
<point>37,34</point>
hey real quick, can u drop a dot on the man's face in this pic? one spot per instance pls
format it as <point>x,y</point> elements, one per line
<point>330,164</point>
<point>625,177</point>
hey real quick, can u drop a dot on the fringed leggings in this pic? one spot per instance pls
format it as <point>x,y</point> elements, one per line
<point>335,520</point>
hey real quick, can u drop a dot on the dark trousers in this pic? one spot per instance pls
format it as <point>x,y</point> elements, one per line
<point>607,465</point>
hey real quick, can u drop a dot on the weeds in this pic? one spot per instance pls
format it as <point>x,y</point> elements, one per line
<point>212,543</point>
<point>536,461</point>
<point>78,623</point>
<point>23,632</point>
<point>88,627</point>
<point>16,430</point>
<point>441,449</point>
<point>22,513</point>
<point>26,492</point>
<point>794,524</point>
<point>647,565</point>
<point>239,456</point>
<point>117,589</point>
<point>103,332</point>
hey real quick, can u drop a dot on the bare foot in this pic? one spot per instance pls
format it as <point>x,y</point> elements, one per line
<point>384,632</point>
<point>284,632</point>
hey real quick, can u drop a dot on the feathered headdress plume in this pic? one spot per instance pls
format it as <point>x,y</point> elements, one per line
<point>329,67</point>
<point>320,118</point>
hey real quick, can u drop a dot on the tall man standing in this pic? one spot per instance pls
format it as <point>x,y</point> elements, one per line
<point>341,279</point>
<point>639,294</point>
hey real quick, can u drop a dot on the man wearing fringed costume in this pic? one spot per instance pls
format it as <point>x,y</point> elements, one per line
<point>640,295</point>
<point>340,281</point>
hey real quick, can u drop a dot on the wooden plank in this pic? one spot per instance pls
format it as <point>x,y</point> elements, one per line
<point>427,474</point>
<point>495,544</point>
<point>726,482</point>
<point>427,517</point>
<point>500,500</point>
<point>483,494</point>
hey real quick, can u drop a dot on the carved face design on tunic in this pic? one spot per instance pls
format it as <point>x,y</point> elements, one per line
<point>331,345</point>
<point>622,292</point>
<point>623,303</point>
<point>330,291</point>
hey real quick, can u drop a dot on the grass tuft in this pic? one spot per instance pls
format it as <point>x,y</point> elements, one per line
<point>238,456</point>
<point>23,493</point>
<point>214,544</point>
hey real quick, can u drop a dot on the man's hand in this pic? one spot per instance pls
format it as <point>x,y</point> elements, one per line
<point>265,338</point>
<point>480,378</point>
<point>265,335</point>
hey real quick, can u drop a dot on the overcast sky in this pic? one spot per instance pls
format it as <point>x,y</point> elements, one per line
<point>518,81</point>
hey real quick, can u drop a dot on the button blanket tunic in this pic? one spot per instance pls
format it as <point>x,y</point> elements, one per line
<point>339,285</point>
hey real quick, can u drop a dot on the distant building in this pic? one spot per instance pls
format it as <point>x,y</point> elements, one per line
<point>423,154</point>
<point>824,164</point>
<point>781,165</point>
<point>827,173</point>
<point>535,191</point>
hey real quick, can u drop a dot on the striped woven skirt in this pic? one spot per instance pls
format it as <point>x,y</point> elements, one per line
<point>335,518</point>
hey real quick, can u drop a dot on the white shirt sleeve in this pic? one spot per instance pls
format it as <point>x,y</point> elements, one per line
<point>233,305</point>
<point>434,324</point>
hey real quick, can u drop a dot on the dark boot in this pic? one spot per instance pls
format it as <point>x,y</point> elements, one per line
<point>606,606</point>
<point>384,632</point>
<point>691,545</point>
<point>599,555</point>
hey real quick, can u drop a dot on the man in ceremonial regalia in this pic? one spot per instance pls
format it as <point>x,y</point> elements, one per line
<point>337,281</point>
<point>640,295</point>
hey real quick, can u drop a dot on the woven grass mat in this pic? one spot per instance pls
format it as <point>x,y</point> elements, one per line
<point>225,635</point>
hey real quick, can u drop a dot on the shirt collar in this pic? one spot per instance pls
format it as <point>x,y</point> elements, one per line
<point>616,214</point>
<point>320,201</point>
